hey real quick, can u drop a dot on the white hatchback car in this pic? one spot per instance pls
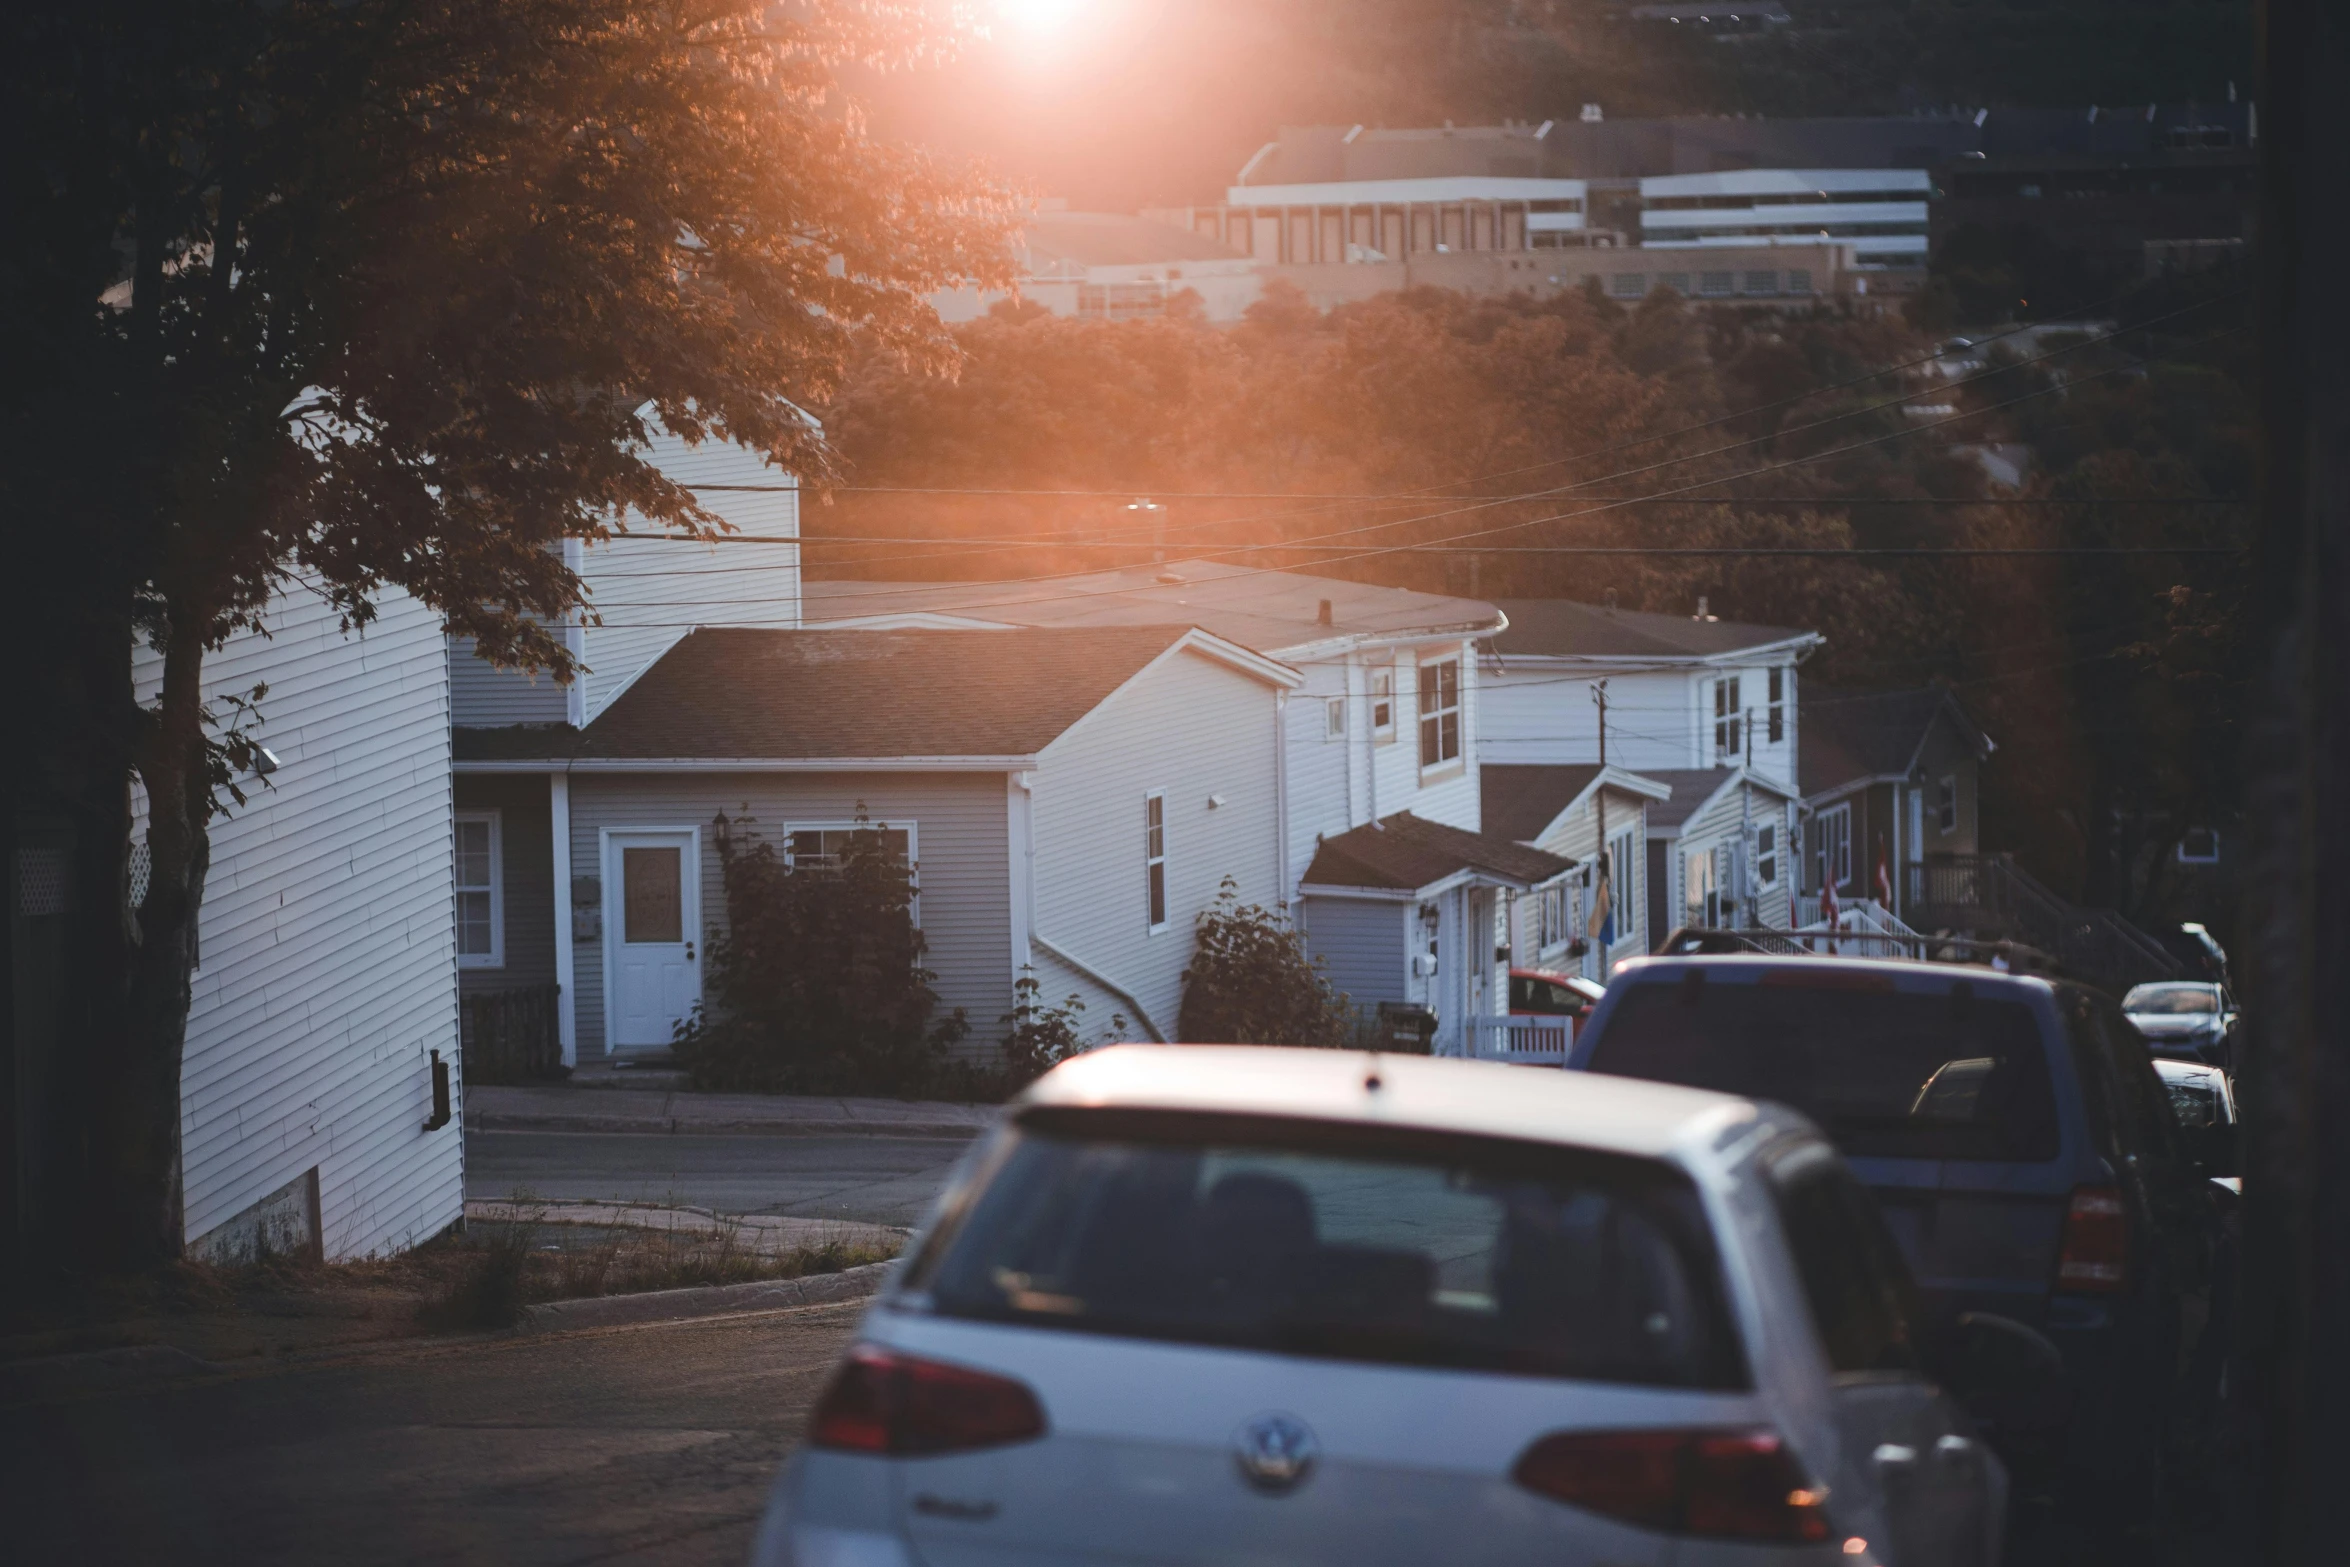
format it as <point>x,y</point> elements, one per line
<point>1232,1305</point>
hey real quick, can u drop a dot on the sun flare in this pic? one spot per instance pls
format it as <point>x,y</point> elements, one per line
<point>1037,18</point>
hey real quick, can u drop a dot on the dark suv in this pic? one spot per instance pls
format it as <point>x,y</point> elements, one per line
<point>2013,1131</point>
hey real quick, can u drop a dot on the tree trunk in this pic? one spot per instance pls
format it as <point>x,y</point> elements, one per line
<point>140,1144</point>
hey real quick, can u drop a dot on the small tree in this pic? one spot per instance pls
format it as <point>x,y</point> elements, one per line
<point>817,982</point>
<point>1251,982</point>
<point>1039,1037</point>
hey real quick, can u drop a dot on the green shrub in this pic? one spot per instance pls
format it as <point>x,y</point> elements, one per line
<point>817,984</point>
<point>1251,983</point>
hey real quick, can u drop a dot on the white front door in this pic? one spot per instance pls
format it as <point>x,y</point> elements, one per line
<point>652,925</point>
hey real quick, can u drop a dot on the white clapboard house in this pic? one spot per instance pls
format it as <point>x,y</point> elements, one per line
<point>1577,811</point>
<point>1380,738</point>
<point>1067,799</point>
<point>1705,707</point>
<point>325,995</point>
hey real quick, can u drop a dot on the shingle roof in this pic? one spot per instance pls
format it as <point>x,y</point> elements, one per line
<point>1849,735</point>
<point>1572,629</point>
<point>1270,611</point>
<point>1692,787</point>
<point>1520,801</point>
<point>1404,853</point>
<point>808,695</point>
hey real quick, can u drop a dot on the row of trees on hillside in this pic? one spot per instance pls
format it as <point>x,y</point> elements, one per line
<point>1475,446</point>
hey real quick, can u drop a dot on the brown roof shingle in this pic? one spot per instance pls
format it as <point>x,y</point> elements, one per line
<point>1404,852</point>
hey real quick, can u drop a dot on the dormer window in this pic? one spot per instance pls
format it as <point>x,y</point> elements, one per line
<point>1778,708</point>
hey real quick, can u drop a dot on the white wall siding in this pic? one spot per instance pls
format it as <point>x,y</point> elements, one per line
<point>1195,729</point>
<point>481,695</point>
<point>1540,711</point>
<point>328,967</point>
<point>959,818</point>
<point>1363,944</point>
<point>1326,795</point>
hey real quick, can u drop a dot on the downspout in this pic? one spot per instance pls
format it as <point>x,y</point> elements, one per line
<point>566,990</point>
<point>1287,889</point>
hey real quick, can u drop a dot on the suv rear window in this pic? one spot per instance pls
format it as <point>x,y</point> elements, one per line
<point>1887,1074</point>
<point>1324,1239</point>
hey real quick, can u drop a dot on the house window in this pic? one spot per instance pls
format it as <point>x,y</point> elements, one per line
<point>1835,836</point>
<point>1799,280</point>
<point>1726,717</point>
<point>481,892</point>
<point>1716,284</point>
<point>1334,718</point>
<point>2199,846</point>
<point>1766,854</point>
<point>1154,855</point>
<point>1623,883</point>
<point>821,846</point>
<point>1551,929</point>
<point>1383,704</point>
<point>1702,895</point>
<point>1946,804</point>
<point>1440,712</point>
<point>1761,282</point>
<point>1778,709</point>
<point>1628,285</point>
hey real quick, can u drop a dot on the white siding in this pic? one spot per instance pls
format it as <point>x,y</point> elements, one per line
<point>1576,837</point>
<point>483,695</point>
<point>1723,823</point>
<point>648,593</point>
<point>1326,795</point>
<point>966,900</point>
<point>1195,729</point>
<point>1364,945</point>
<point>328,967</point>
<point>1540,710</point>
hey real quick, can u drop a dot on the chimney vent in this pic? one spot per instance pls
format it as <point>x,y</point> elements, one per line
<point>1322,613</point>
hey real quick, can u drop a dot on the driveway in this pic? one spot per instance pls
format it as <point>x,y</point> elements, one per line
<point>653,1444</point>
<point>873,1180</point>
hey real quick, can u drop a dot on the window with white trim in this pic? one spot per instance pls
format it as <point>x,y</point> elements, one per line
<point>1726,718</point>
<point>1440,712</point>
<point>1154,855</point>
<point>1766,854</point>
<point>1778,708</point>
<point>1334,718</point>
<point>1833,829</point>
<point>1946,804</point>
<point>481,891</point>
<point>819,846</point>
<point>1383,704</point>
<point>1623,883</point>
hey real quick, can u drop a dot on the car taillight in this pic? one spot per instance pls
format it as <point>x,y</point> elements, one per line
<point>1724,1485</point>
<point>884,1402</point>
<point>2096,1254</point>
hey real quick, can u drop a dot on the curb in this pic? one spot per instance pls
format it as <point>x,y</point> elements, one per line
<point>610,1311</point>
<point>663,1125</point>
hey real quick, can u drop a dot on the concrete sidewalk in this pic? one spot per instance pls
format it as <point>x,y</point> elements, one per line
<point>566,1108</point>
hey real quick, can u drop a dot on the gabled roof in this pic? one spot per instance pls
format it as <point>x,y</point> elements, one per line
<point>1519,802</point>
<point>1851,737</point>
<point>1275,612</point>
<point>1568,628</point>
<point>754,695</point>
<point>1694,789</point>
<point>1405,853</point>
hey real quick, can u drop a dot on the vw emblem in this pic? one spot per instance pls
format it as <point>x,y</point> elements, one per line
<point>1275,1452</point>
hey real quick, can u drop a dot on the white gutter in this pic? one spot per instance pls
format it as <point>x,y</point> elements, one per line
<point>1141,1013</point>
<point>756,764</point>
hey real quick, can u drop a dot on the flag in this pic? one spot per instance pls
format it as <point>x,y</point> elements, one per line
<point>1603,910</point>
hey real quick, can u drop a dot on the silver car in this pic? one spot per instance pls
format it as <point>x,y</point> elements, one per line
<point>1217,1305</point>
<point>2183,1018</point>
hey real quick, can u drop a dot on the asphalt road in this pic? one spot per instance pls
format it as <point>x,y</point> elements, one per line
<point>872,1180</point>
<point>654,1444</point>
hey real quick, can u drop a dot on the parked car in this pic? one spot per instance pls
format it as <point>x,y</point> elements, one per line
<point>1538,992</point>
<point>2181,1018</point>
<point>2203,1102</point>
<point>1214,1304</point>
<point>2015,1135</point>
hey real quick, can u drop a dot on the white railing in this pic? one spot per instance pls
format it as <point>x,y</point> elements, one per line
<point>1525,1041</point>
<point>1855,924</point>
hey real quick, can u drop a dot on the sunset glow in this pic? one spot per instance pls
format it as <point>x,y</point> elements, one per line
<point>1036,19</point>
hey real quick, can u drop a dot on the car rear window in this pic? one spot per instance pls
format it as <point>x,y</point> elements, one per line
<point>1885,1073</point>
<point>1314,1238</point>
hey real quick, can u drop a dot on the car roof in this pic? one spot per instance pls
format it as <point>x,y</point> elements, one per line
<point>1742,964</point>
<point>1480,1098</point>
